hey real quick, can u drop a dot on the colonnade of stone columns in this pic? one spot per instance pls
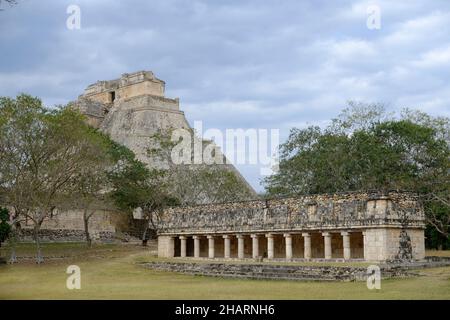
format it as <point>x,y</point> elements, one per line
<point>270,238</point>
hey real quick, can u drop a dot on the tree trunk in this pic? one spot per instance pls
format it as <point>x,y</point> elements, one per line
<point>86,228</point>
<point>144,235</point>
<point>15,230</point>
<point>12,243</point>
<point>39,258</point>
<point>13,258</point>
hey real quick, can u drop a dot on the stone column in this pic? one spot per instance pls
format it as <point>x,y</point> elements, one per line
<point>210,247</point>
<point>255,246</point>
<point>240,238</point>
<point>327,243</point>
<point>183,246</point>
<point>226,246</point>
<point>196,246</point>
<point>346,245</point>
<point>171,247</point>
<point>288,240</point>
<point>270,246</point>
<point>307,245</point>
<point>365,245</point>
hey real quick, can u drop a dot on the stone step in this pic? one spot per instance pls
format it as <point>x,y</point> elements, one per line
<point>285,272</point>
<point>262,270</point>
<point>267,272</point>
<point>272,276</point>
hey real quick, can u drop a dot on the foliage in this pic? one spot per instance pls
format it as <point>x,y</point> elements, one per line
<point>5,227</point>
<point>196,183</point>
<point>134,185</point>
<point>365,148</point>
<point>46,156</point>
<point>91,185</point>
<point>51,159</point>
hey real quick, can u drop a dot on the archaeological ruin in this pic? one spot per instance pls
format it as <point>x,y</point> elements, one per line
<point>372,226</point>
<point>130,109</point>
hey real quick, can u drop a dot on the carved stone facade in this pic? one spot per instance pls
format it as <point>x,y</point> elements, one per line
<point>128,86</point>
<point>371,226</point>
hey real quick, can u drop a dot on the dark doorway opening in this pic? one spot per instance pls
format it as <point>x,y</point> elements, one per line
<point>189,247</point>
<point>177,247</point>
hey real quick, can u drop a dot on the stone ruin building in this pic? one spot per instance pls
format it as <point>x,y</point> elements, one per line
<point>346,226</point>
<point>363,226</point>
<point>131,109</point>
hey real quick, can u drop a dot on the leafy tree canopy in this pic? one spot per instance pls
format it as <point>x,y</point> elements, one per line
<point>367,148</point>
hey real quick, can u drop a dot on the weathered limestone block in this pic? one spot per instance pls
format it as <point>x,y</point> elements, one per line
<point>418,243</point>
<point>166,246</point>
<point>385,244</point>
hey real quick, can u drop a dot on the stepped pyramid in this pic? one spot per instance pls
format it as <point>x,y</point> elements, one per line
<point>133,108</point>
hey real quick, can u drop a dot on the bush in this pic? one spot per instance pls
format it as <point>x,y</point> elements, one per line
<point>5,228</point>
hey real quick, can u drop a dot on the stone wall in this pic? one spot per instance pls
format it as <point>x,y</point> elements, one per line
<point>129,85</point>
<point>353,210</point>
<point>131,122</point>
<point>66,235</point>
<point>69,226</point>
<point>385,244</point>
<point>278,272</point>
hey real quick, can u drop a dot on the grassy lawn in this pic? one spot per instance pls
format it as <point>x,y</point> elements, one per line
<point>111,272</point>
<point>437,253</point>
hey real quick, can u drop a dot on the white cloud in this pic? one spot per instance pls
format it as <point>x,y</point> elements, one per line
<point>434,58</point>
<point>419,31</point>
<point>352,49</point>
<point>233,64</point>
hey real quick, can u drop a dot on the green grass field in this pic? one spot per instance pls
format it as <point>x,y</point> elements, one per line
<point>112,272</point>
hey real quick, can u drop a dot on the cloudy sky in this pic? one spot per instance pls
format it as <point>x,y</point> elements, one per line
<point>236,64</point>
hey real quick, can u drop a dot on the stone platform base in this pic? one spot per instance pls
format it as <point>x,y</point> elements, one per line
<point>65,235</point>
<point>277,272</point>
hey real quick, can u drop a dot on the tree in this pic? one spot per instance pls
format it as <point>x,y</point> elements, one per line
<point>437,200</point>
<point>90,190</point>
<point>364,148</point>
<point>5,228</point>
<point>91,185</point>
<point>136,186</point>
<point>195,183</point>
<point>44,152</point>
<point>20,127</point>
<point>359,116</point>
